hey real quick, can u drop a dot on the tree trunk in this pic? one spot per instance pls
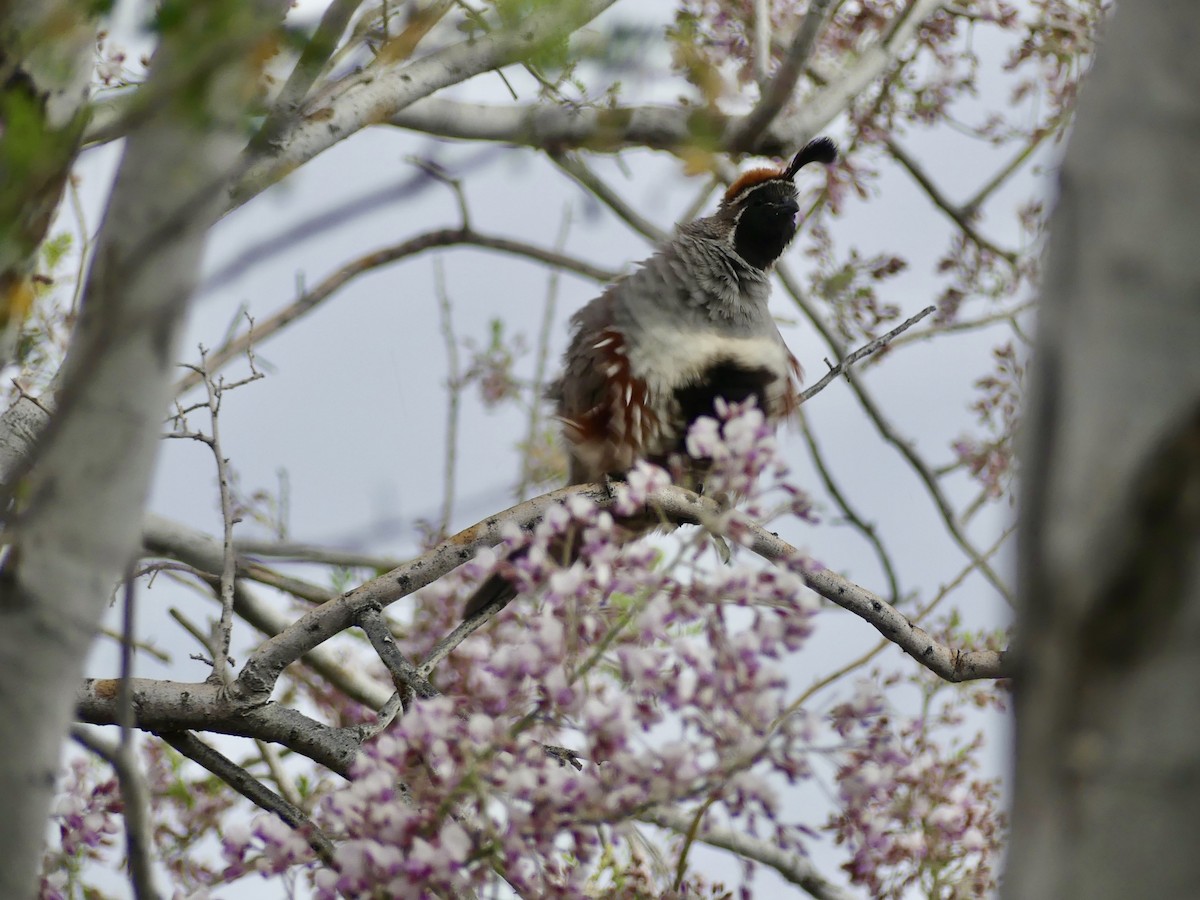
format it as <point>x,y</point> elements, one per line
<point>78,523</point>
<point>1107,793</point>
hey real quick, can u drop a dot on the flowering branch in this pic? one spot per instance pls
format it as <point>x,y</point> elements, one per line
<point>676,505</point>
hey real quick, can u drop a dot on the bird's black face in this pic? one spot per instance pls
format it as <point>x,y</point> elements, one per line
<point>767,223</point>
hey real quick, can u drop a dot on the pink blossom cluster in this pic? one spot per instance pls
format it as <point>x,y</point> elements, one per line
<point>87,816</point>
<point>913,813</point>
<point>663,677</point>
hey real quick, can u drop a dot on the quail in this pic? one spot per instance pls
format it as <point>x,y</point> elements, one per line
<point>657,349</point>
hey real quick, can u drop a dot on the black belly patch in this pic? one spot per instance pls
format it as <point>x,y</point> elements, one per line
<point>731,382</point>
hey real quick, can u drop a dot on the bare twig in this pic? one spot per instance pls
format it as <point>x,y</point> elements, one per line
<point>1002,175</point>
<point>250,788</point>
<point>888,433</point>
<point>962,216</point>
<point>865,528</point>
<point>934,331</point>
<point>453,396</point>
<point>594,185</point>
<point>866,350</point>
<point>541,357</point>
<point>215,390</point>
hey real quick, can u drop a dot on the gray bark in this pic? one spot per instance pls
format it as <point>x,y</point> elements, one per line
<point>79,522</point>
<point>1107,793</point>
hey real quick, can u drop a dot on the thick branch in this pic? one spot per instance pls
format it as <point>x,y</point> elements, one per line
<point>661,127</point>
<point>381,91</point>
<point>178,706</point>
<point>677,505</point>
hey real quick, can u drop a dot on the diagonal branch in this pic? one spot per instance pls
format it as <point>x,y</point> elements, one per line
<point>250,788</point>
<point>866,350</point>
<point>962,216</point>
<point>795,868</point>
<point>379,92</point>
<point>779,89</point>
<point>445,237</point>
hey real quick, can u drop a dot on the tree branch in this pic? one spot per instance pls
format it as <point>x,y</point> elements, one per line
<point>866,350</point>
<point>779,90</point>
<point>962,216</point>
<point>250,788</point>
<point>445,237</point>
<point>163,705</point>
<point>795,868</point>
<point>677,505</point>
<point>380,91</point>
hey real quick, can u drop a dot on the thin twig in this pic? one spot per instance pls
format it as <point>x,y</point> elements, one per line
<point>866,350</point>
<point>453,396</point>
<point>888,433</point>
<point>934,331</point>
<point>541,358</point>
<point>573,166</point>
<point>996,181</point>
<point>962,216</point>
<point>867,529</point>
<point>215,391</point>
